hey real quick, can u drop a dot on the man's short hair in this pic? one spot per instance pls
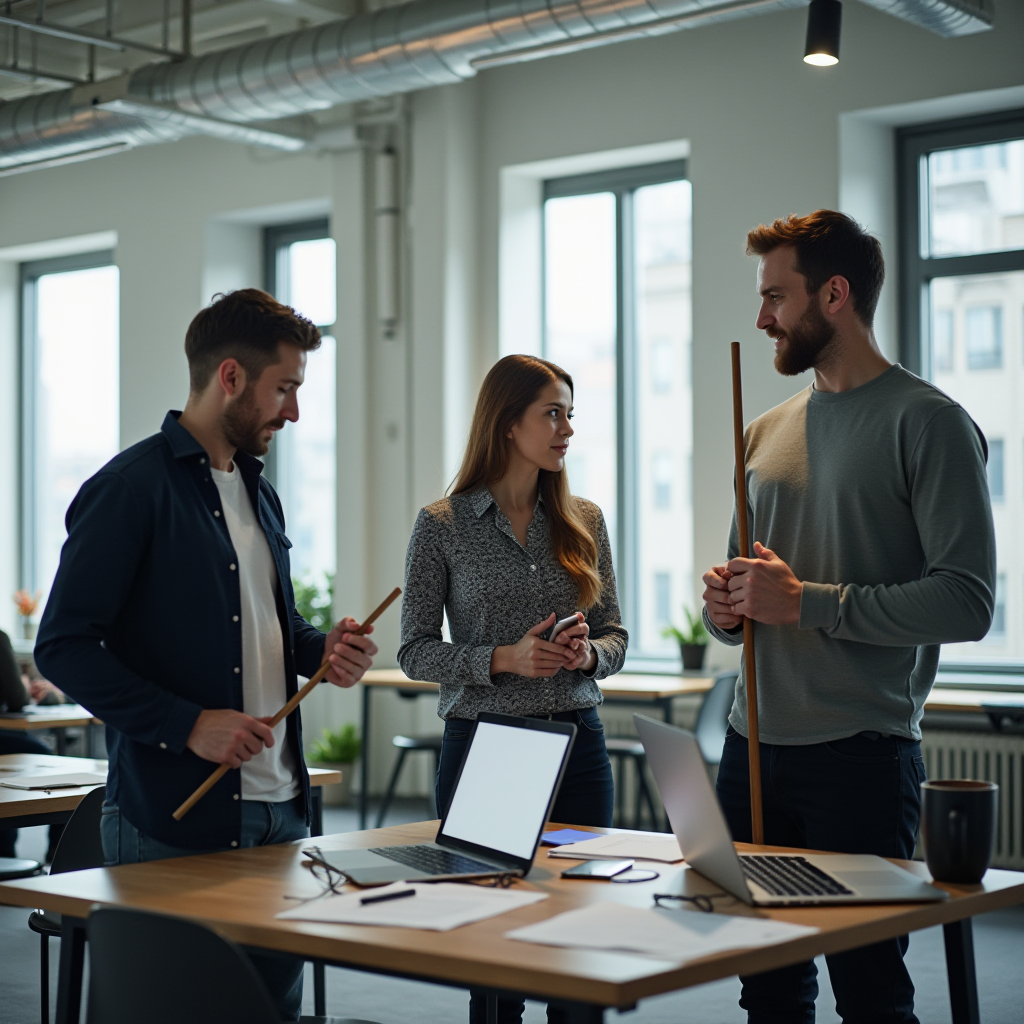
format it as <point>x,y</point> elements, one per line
<point>828,244</point>
<point>246,325</point>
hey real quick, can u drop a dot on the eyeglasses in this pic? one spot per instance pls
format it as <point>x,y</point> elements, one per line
<point>703,901</point>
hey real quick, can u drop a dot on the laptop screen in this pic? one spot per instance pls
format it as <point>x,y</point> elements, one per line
<point>505,788</point>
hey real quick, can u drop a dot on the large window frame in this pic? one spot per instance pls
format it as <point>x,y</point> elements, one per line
<point>917,270</point>
<point>30,273</point>
<point>622,183</point>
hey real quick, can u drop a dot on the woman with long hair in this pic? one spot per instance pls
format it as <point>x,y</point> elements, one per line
<point>507,554</point>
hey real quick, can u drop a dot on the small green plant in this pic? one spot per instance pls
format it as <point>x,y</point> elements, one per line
<point>695,635</point>
<point>337,746</point>
<point>314,602</point>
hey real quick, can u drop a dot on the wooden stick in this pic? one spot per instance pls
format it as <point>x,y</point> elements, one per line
<point>753,740</point>
<point>287,709</point>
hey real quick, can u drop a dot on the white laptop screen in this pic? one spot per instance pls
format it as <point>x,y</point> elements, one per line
<point>505,788</point>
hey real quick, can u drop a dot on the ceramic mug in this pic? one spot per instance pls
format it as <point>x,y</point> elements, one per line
<point>958,828</point>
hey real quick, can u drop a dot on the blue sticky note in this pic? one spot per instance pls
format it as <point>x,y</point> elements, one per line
<point>567,835</point>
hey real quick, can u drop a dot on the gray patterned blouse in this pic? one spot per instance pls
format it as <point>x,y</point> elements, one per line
<point>464,559</point>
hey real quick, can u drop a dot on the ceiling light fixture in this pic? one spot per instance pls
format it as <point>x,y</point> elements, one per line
<point>824,21</point>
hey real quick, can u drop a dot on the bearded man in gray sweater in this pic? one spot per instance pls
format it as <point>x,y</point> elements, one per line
<point>868,503</point>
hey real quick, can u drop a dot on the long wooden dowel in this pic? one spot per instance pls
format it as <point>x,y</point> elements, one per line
<point>220,772</point>
<point>753,740</point>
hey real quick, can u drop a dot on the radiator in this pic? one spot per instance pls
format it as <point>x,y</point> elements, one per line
<point>985,755</point>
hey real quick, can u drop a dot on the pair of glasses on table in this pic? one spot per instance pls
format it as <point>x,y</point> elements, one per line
<point>702,902</point>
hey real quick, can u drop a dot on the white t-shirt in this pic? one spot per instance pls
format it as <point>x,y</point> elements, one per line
<point>271,775</point>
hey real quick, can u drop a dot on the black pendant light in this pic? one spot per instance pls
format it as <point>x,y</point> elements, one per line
<point>824,20</point>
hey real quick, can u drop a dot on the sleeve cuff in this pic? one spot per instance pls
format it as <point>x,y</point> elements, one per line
<point>600,670</point>
<point>178,725</point>
<point>819,606</point>
<point>480,665</point>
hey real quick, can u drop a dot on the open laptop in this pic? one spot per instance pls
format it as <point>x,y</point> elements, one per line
<point>505,790</point>
<point>761,879</point>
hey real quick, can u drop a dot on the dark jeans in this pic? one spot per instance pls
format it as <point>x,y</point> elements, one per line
<point>262,825</point>
<point>855,795</point>
<point>12,742</point>
<point>586,797</point>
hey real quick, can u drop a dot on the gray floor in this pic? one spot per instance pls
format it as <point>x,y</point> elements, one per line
<point>999,941</point>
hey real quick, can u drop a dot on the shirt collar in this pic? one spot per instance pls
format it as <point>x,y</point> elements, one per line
<point>184,445</point>
<point>481,500</point>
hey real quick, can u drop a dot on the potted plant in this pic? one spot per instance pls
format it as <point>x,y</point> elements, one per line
<point>693,640</point>
<point>27,605</point>
<point>338,749</point>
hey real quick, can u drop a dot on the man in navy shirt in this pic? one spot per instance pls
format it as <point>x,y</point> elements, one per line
<point>172,616</point>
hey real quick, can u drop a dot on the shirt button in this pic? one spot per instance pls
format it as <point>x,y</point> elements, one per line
<point>232,566</point>
<point>234,618</point>
<point>533,568</point>
<point>216,512</point>
<point>163,746</point>
<point>237,670</point>
<point>202,462</point>
<point>234,842</point>
<point>234,796</point>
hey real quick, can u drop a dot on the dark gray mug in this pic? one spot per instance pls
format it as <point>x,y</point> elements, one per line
<point>958,828</point>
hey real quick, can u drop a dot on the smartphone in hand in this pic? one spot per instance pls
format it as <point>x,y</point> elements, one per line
<point>558,627</point>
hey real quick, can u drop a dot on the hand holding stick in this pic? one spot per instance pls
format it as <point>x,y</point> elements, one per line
<point>220,772</point>
<point>753,741</point>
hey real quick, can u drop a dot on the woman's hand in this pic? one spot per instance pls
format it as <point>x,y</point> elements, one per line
<point>577,640</point>
<point>532,656</point>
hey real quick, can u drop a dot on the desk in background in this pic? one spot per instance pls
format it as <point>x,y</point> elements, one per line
<point>239,892</point>
<point>624,688</point>
<point>56,718</point>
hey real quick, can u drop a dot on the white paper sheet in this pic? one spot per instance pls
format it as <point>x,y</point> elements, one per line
<point>439,907</point>
<point>55,781</point>
<point>677,935</point>
<point>646,846</point>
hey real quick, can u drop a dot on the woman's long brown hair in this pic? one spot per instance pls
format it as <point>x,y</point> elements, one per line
<point>510,387</point>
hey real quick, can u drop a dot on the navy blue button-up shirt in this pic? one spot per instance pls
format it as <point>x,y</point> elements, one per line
<point>143,627</point>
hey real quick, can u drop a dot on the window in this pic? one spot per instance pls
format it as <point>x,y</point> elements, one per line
<point>300,271</point>
<point>996,486</point>
<point>70,396</point>
<point>617,316</point>
<point>962,272</point>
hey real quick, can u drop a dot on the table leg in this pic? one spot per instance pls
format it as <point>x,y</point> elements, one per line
<point>576,1013</point>
<point>364,761</point>
<point>62,741</point>
<point>316,810</point>
<point>72,964</point>
<point>491,1010</point>
<point>963,981</point>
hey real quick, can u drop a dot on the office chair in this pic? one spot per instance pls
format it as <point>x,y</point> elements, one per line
<point>79,848</point>
<point>166,970</point>
<point>409,745</point>
<point>713,717</point>
<point>620,750</point>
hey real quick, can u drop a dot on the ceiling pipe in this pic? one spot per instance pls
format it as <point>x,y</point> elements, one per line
<point>381,53</point>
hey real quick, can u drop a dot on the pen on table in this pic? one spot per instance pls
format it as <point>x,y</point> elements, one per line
<point>401,894</point>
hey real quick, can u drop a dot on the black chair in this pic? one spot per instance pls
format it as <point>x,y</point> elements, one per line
<point>713,717</point>
<point>621,750</point>
<point>409,745</point>
<point>165,970</point>
<point>18,867</point>
<point>79,848</point>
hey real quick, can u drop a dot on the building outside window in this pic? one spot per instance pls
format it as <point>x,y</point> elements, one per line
<point>302,464</point>
<point>617,316</point>
<point>69,397</point>
<point>962,320</point>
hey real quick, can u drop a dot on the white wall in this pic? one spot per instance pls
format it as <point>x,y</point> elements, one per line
<point>767,135</point>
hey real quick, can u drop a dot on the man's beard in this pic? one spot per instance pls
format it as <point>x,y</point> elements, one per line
<point>242,426</point>
<point>804,343</point>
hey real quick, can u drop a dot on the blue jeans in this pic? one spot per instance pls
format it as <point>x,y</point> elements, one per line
<point>262,825</point>
<point>860,794</point>
<point>586,797</point>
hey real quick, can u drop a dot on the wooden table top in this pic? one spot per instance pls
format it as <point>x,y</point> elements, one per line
<point>624,686</point>
<point>49,716</point>
<point>17,802</point>
<point>942,699</point>
<point>239,892</point>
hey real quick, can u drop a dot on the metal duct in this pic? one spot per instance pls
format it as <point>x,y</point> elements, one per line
<point>397,49</point>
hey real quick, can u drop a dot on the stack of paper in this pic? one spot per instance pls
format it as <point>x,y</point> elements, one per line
<point>634,845</point>
<point>55,781</point>
<point>438,907</point>
<point>677,935</point>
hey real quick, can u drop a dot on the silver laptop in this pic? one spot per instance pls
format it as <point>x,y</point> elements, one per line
<point>501,801</point>
<point>760,878</point>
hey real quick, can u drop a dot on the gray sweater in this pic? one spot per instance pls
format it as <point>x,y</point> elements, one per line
<point>464,559</point>
<point>877,498</point>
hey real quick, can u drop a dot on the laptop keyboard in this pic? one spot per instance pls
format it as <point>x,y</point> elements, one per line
<point>790,876</point>
<point>434,861</point>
